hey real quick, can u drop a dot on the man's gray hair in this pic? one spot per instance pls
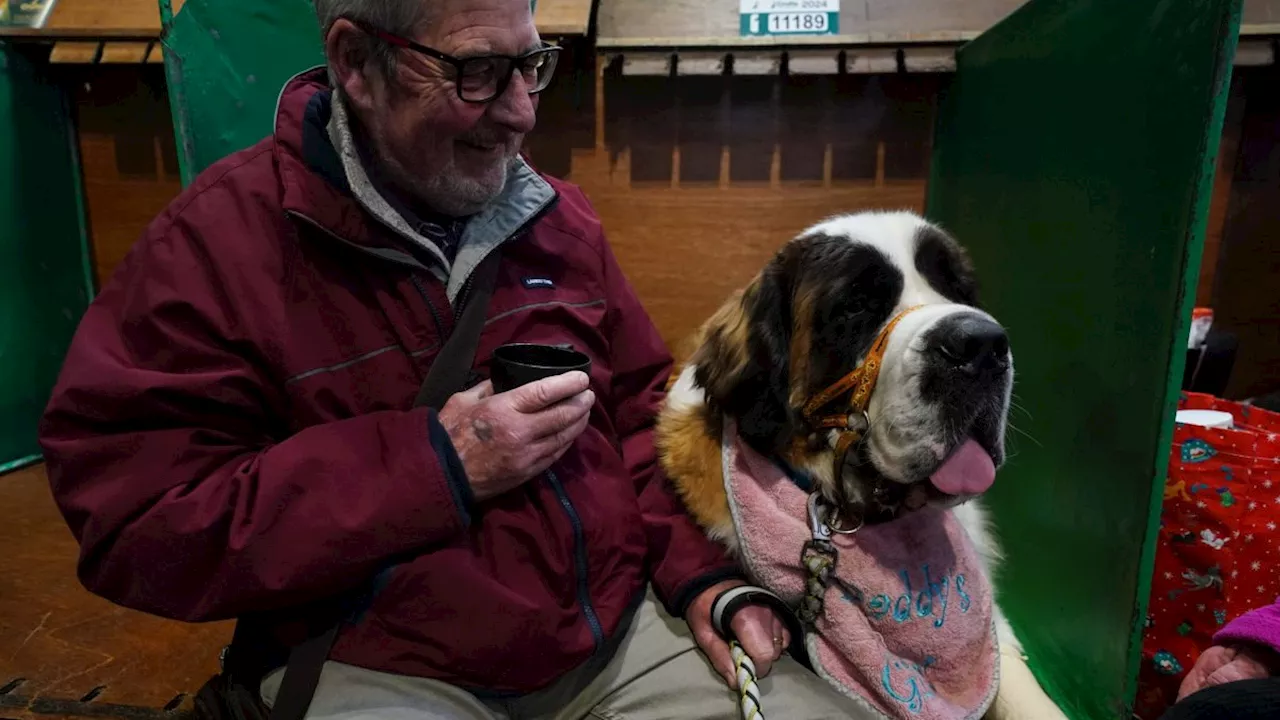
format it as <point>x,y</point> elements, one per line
<point>399,17</point>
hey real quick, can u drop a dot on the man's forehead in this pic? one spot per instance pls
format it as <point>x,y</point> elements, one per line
<point>483,27</point>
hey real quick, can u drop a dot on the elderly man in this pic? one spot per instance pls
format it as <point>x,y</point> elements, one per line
<point>234,434</point>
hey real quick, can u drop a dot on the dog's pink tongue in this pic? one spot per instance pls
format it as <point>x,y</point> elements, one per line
<point>969,471</point>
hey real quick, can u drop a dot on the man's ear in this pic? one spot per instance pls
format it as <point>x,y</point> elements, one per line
<point>351,61</point>
<point>744,360</point>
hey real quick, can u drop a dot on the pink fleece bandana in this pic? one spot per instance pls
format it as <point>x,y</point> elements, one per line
<point>907,624</point>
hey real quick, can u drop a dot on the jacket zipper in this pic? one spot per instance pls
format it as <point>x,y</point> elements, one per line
<point>579,559</point>
<point>435,314</point>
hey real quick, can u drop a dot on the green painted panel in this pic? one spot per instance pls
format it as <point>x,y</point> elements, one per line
<point>45,280</point>
<point>1074,154</point>
<point>226,61</point>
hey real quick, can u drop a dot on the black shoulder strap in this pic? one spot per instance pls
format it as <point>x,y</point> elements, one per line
<point>448,375</point>
<point>449,372</point>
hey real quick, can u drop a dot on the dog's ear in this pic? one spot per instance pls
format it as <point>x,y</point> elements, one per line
<point>744,359</point>
<point>946,266</point>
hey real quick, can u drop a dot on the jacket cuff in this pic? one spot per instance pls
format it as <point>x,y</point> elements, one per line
<point>455,475</point>
<point>678,604</point>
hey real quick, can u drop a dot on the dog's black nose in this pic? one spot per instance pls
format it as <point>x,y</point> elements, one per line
<point>972,343</point>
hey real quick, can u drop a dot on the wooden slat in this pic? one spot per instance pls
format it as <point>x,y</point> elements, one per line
<point>872,61</point>
<point>99,19</point>
<point>695,63</point>
<point>1261,12</point>
<point>686,23</point>
<point>563,17</point>
<point>125,52</point>
<point>876,60</point>
<point>156,54</point>
<point>75,52</point>
<point>813,62</point>
<point>757,63</point>
<point>929,59</point>
<point>1253,53</point>
<point>646,64</point>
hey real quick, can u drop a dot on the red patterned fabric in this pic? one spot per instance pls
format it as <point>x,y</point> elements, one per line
<point>1218,542</point>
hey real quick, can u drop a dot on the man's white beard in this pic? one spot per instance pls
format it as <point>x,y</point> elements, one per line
<point>447,192</point>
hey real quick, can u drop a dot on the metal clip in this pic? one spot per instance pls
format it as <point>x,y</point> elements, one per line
<point>822,527</point>
<point>817,525</point>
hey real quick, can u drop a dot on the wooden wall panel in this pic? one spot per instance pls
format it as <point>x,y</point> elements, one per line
<point>687,250</point>
<point>700,179</point>
<point>127,154</point>
<point>1246,300</point>
<point>835,139</point>
<point>1228,153</point>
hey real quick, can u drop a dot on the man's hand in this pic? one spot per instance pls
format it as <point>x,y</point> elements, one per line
<point>759,631</point>
<point>1220,665</point>
<point>506,439</point>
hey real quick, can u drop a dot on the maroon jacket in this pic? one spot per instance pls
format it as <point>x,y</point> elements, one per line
<point>232,432</point>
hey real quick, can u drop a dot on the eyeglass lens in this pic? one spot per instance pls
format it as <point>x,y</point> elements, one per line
<point>480,78</point>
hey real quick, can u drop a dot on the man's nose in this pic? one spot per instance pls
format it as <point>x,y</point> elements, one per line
<point>515,108</point>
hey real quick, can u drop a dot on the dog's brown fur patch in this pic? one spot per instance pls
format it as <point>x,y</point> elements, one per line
<point>722,342</point>
<point>801,342</point>
<point>689,448</point>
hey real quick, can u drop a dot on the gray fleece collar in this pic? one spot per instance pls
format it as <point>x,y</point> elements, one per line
<point>525,196</point>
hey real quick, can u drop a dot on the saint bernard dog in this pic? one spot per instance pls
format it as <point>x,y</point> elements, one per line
<point>855,388</point>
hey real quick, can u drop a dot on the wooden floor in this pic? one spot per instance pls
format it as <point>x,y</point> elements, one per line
<point>67,653</point>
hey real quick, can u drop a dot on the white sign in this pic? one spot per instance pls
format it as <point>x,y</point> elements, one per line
<point>789,17</point>
<point>788,6</point>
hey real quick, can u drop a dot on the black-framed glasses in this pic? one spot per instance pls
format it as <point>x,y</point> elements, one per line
<point>482,78</point>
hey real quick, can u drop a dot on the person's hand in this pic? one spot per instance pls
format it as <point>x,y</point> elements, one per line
<point>506,439</point>
<point>759,631</point>
<point>1220,665</point>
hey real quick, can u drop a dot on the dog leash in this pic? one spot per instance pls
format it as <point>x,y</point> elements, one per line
<point>748,689</point>
<point>725,606</point>
<point>820,561</point>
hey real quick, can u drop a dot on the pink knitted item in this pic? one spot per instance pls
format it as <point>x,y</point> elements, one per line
<point>909,629</point>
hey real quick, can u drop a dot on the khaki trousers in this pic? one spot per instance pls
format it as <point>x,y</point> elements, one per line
<point>656,673</point>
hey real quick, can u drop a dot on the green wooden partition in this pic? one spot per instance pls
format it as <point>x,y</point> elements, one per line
<point>1074,155</point>
<point>45,279</point>
<point>226,62</point>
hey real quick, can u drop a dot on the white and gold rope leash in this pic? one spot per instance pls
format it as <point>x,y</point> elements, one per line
<point>722,611</point>
<point>748,690</point>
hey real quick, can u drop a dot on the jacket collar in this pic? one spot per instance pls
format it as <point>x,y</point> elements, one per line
<point>324,181</point>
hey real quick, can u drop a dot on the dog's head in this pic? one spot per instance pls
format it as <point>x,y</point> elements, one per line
<point>937,416</point>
